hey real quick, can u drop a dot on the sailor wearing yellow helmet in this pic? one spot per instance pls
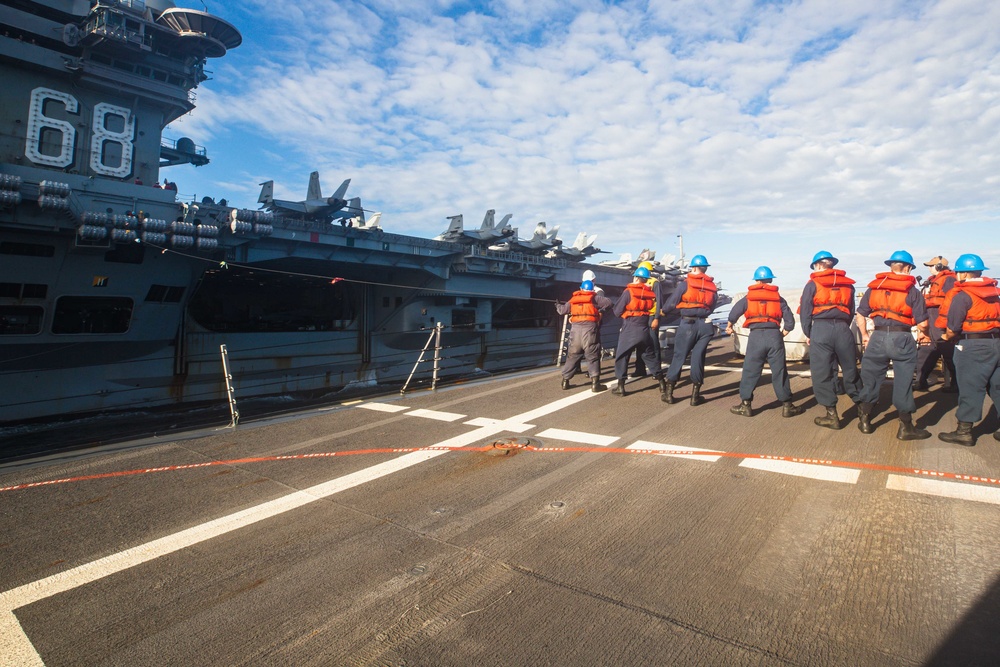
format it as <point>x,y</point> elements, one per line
<point>654,323</point>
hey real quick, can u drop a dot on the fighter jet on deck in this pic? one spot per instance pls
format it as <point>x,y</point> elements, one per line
<point>581,249</point>
<point>315,206</point>
<point>541,241</point>
<point>488,231</point>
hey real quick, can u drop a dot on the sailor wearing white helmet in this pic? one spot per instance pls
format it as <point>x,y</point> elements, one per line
<point>584,310</point>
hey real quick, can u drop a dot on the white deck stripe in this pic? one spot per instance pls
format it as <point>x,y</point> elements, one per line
<point>946,489</point>
<point>16,647</point>
<point>434,414</point>
<point>656,446</point>
<point>508,425</point>
<point>766,371</point>
<point>579,436</point>
<point>382,407</point>
<point>811,470</point>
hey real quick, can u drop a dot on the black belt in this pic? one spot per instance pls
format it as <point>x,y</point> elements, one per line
<point>995,334</point>
<point>892,327</point>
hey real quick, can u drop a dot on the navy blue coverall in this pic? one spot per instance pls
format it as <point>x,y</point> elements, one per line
<point>831,344</point>
<point>765,343</point>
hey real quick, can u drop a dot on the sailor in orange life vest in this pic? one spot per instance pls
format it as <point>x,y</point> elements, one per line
<point>695,298</point>
<point>971,316</point>
<point>895,305</point>
<point>654,284</point>
<point>584,310</point>
<point>825,311</point>
<point>769,319</point>
<point>941,281</point>
<point>634,307</point>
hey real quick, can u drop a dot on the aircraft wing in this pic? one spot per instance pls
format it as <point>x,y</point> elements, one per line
<point>293,206</point>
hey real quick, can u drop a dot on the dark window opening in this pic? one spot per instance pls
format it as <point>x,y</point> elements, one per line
<point>16,320</point>
<point>126,253</point>
<point>27,291</point>
<point>244,301</point>
<point>27,249</point>
<point>523,313</point>
<point>463,318</point>
<point>164,294</point>
<point>399,302</point>
<point>35,291</point>
<point>385,302</point>
<point>92,315</point>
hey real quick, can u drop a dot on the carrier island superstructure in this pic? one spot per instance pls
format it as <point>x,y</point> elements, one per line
<point>114,295</point>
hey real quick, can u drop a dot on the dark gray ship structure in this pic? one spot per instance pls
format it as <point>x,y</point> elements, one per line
<point>116,296</point>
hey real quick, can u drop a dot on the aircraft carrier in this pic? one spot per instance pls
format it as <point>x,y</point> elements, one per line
<point>508,522</point>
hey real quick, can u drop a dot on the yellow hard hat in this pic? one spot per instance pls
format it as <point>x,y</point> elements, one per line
<point>647,265</point>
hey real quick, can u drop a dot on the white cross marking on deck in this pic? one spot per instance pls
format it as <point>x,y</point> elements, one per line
<point>666,449</point>
<point>17,649</point>
<point>434,414</point>
<point>946,489</point>
<point>381,407</point>
<point>810,470</point>
<point>578,436</point>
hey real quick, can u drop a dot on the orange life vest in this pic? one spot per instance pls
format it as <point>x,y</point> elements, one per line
<point>700,292</point>
<point>833,290</point>
<point>983,315</point>
<point>582,307</point>
<point>887,297</point>
<point>935,294</point>
<point>643,300</point>
<point>763,305</point>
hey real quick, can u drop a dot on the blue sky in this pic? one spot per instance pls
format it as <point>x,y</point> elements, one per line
<point>760,131</point>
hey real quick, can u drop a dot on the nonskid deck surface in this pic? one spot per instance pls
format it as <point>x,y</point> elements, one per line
<point>512,523</point>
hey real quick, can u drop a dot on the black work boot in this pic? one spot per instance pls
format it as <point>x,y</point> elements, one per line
<point>961,436</point>
<point>662,381</point>
<point>908,431</point>
<point>696,398</point>
<point>865,418</point>
<point>789,409</point>
<point>565,383</point>
<point>620,389</point>
<point>921,384</point>
<point>668,393</point>
<point>596,385</point>
<point>743,409</point>
<point>831,420</point>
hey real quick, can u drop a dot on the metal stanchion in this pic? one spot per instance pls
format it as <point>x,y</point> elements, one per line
<point>229,388</point>
<point>436,334</point>
<point>562,340</point>
<point>437,355</point>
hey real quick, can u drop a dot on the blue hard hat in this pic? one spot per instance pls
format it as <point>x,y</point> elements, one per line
<point>699,260</point>
<point>763,273</point>
<point>824,254</point>
<point>587,286</point>
<point>970,263</point>
<point>900,256</point>
<point>642,272</point>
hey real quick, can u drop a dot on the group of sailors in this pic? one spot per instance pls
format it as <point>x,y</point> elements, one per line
<point>956,316</point>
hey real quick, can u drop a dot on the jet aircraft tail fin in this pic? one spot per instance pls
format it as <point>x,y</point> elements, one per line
<point>314,191</point>
<point>266,193</point>
<point>341,191</point>
<point>487,221</point>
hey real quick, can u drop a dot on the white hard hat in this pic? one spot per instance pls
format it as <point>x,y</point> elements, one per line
<point>589,275</point>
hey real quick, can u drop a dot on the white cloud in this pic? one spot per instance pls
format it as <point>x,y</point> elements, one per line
<point>782,118</point>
